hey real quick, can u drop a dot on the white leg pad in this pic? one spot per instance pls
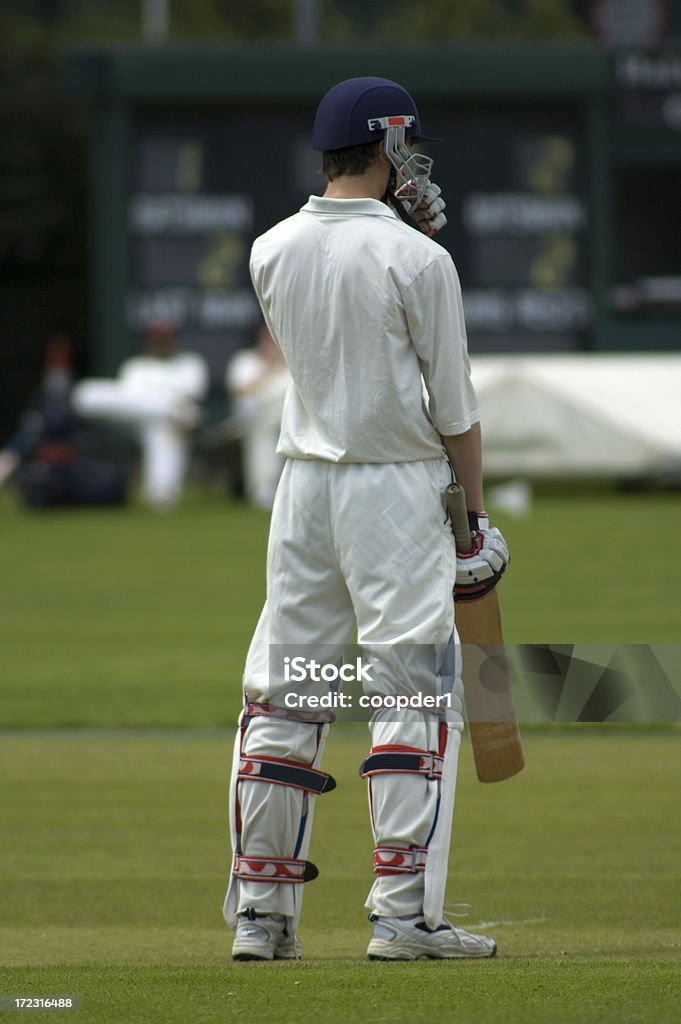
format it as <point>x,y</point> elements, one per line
<point>402,810</point>
<point>435,878</point>
<point>413,811</point>
<point>275,820</point>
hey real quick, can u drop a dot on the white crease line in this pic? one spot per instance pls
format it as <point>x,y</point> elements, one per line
<point>497,924</point>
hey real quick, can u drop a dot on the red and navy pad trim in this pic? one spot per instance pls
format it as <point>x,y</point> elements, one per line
<point>285,773</point>
<point>274,869</point>
<point>399,860</point>
<point>402,760</point>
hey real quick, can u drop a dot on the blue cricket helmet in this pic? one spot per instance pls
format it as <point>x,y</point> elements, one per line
<point>359,110</point>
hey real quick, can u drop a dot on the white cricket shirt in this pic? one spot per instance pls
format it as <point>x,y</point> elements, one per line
<point>362,306</point>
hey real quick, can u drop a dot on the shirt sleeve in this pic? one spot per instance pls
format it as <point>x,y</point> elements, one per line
<point>434,310</point>
<point>244,370</point>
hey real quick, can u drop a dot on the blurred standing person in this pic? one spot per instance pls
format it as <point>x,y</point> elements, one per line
<point>256,379</point>
<point>157,397</point>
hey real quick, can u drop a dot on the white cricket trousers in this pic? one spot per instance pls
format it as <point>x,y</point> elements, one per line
<point>366,547</point>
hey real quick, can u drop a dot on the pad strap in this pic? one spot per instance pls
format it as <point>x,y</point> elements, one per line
<point>285,773</point>
<point>400,760</point>
<point>274,869</point>
<point>399,860</point>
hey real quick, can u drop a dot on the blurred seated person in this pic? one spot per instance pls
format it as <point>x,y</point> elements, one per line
<point>48,418</point>
<point>49,451</point>
<point>156,396</point>
<point>256,380</point>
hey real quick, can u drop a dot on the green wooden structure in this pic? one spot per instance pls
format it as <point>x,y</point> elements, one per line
<point>614,218</point>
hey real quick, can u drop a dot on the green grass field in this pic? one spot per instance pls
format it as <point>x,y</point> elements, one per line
<point>125,618</point>
<point>123,637</point>
<point>113,872</point>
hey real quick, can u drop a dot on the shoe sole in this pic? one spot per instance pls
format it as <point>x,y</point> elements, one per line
<point>252,954</point>
<point>401,953</point>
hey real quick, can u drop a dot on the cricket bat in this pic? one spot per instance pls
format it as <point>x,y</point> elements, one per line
<point>490,709</point>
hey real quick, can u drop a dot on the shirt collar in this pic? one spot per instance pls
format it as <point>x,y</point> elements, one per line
<point>347,207</point>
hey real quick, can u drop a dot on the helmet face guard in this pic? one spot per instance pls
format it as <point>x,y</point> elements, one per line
<point>412,170</point>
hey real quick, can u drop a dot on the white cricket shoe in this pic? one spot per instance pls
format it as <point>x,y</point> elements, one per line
<point>289,946</point>
<point>408,938</point>
<point>267,937</point>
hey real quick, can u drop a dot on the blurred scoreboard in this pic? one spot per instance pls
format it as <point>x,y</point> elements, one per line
<point>518,221</point>
<point>560,166</point>
<point>190,221</point>
<point>203,184</point>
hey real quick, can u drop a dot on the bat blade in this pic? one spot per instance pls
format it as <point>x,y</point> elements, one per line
<point>490,708</point>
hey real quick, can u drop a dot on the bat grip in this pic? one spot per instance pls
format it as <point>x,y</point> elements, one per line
<point>455,496</point>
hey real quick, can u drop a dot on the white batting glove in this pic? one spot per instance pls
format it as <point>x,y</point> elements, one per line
<point>479,571</point>
<point>428,211</point>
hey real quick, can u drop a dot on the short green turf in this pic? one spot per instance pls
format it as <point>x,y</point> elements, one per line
<point>113,868</point>
<point>125,634</point>
<point>126,618</point>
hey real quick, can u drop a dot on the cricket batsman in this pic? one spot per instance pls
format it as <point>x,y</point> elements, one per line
<point>366,309</point>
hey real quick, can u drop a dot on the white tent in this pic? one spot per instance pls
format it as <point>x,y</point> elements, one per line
<point>580,414</point>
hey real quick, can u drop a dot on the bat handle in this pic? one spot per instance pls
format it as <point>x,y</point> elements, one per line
<point>455,497</point>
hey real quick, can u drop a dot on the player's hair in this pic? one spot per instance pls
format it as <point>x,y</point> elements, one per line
<point>354,160</point>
